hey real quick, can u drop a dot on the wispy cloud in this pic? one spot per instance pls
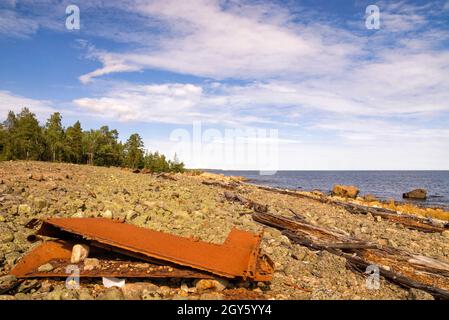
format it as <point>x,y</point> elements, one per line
<point>10,101</point>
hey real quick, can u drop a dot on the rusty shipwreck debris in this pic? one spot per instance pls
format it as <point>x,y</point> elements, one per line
<point>399,266</point>
<point>165,255</point>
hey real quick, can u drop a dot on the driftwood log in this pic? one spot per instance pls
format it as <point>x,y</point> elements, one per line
<point>399,266</point>
<point>408,221</point>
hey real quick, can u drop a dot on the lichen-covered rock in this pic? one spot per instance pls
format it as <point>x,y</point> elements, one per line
<point>24,209</point>
<point>112,293</point>
<point>6,235</point>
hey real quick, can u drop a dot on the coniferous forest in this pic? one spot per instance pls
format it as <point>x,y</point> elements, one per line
<point>23,138</point>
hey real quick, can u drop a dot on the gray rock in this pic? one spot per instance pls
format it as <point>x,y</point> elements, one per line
<point>85,295</point>
<point>112,293</point>
<point>69,295</point>
<point>6,235</point>
<point>7,283</point>
<point>40,203</point>
<point>45,268</point>
<point>91,264</point>
<point>28,285</point>
<point>415,294</point>
<point>24,209</point>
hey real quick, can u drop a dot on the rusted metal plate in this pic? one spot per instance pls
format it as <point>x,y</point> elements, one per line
<point>58,254</point>
<point>238,257</point>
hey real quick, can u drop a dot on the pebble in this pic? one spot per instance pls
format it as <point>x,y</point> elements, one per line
<point>23,209</point>
<point>91,263</point>
<point>45,268</point>
<point>107,214</point>
<point>112,293</point>
<point>79,253</point>
<point>207,284</point>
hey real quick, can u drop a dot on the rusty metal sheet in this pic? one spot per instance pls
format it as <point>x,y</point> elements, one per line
<point>58,254</point>
<point>239,256</point>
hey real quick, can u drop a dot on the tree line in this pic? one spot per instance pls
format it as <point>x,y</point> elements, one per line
<point>23,138</point>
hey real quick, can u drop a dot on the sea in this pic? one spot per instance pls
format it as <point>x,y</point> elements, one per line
<point>385,185</point>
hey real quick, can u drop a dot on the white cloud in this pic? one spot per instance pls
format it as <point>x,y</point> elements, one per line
<point>10,101</point>
<point>208,40</point>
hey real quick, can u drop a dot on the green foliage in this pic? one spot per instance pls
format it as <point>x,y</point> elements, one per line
<point>21,138</point>
<point>74,143</point>
<point>55,136</point>
<point>134,152</point>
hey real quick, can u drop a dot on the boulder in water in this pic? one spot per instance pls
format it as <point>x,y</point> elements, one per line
<point>419,194</point>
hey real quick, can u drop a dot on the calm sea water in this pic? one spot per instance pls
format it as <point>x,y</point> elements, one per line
<point>383,184</point>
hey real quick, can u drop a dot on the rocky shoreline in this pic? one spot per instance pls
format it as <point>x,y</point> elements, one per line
<point>195,206</point>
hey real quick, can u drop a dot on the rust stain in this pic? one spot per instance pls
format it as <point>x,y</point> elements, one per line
<point>239,256</point>
<point>58,254</point>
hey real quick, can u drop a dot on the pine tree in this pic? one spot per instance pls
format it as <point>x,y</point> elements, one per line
<point>54,135</point>
<point>74,143</point>
<point>28,142</point>
<point>134,152</point>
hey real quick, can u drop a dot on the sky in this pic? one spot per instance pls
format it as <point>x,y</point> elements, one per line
<point>269,85</point>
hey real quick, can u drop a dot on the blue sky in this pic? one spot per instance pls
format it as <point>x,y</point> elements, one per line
<point>340,96</point>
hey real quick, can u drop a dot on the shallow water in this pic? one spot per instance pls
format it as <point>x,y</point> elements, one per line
<point>383,184</point>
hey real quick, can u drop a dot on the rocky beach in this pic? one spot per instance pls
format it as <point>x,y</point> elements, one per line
<point>195,205</point>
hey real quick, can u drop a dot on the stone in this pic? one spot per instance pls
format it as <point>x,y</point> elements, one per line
<point>130,215</point>
<point>85,295</point>
<point>54,295</point>
<point>181,214</point>
<point>211,296</point>
<point>378,218</point>
<point>28,285</point>
<point>6,235</point>
<point>40,203</point>
<point>69,295</point>
<point>213,285</point>
<point>79,253</point>
<point>445,233</point>
<point>107,214</point>
<point>345,191</point>
<point>22,296</point>
<point>369,197</point>
<point>7,297</point>
<point>24,209</point>
<point>415,294</point>
<point>91,263</point>
<point>37,177</point>
<point>7,282</point>
<point>418,194</point>
<point>112,293</point>
<point>45,268</point>
<point>135,291</point>
<point>78,214</point>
